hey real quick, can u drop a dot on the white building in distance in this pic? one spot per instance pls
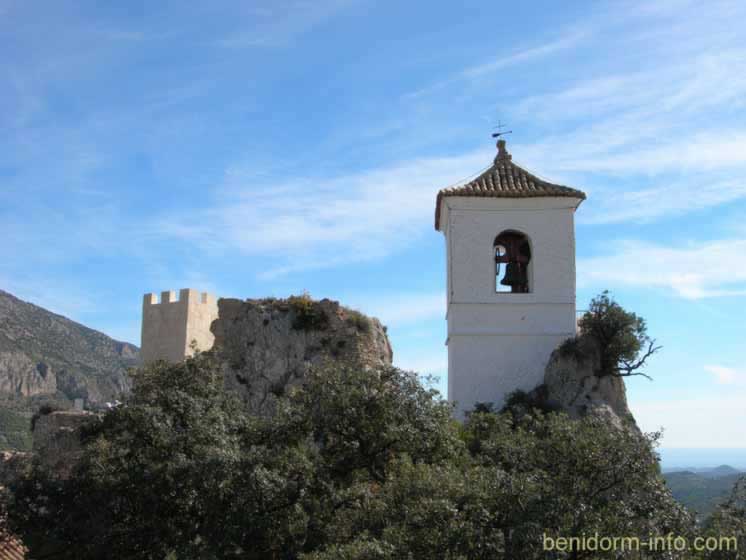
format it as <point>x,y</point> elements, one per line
<point>510,245</point>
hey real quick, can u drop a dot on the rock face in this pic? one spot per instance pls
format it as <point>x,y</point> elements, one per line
<point>571,383</point>
<point>45,353</point>
<point>19,375</point>
<point>46,358</point>
<point>268,345</point>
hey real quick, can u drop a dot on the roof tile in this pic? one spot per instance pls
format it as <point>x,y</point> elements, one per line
<point>505,179</point>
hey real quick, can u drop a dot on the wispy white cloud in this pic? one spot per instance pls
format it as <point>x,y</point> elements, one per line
<point>277,25</point>
<point>727,375</point>
<point>695,271</point>
<point>664,93</point>
<point>688,194</point>
<point>472,73</point>
<point>620,154</point>
<point>564,42</point>
<point>706,422</point>
<point>316,222</point>
<point>655,126</point>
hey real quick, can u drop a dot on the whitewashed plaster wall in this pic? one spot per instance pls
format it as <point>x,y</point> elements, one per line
<point>500,342</point>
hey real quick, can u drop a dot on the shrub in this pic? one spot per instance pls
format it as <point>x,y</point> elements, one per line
<point>308,315</point>
<point>570,348</point>
<point>520,402</point>
<point>358,320</point>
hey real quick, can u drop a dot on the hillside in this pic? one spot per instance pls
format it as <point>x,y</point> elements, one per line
<point>707,472</point>
<point>701,492</point>
<point>47,358</point>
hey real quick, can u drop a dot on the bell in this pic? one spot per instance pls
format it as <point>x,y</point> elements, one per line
<point>512,275</point>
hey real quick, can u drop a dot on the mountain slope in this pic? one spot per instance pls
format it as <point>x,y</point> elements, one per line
<point>707,472</point>
<point>702,492</point>
<point>47,358</point>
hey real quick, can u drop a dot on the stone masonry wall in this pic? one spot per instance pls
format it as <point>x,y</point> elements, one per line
<point>170,327</point>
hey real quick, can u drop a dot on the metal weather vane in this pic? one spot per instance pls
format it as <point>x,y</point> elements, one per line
<point>500,131</point>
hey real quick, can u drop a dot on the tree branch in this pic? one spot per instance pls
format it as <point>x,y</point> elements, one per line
<point>629,368</point>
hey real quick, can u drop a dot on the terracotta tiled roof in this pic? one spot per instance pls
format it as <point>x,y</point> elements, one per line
<point>505,179</point>
<point>11,549</point>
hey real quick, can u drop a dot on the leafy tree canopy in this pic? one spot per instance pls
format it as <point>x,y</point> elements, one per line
<point>356,464</point>
<point>621,335</point>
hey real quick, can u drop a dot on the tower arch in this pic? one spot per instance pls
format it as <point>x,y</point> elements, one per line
<point>512,250</point>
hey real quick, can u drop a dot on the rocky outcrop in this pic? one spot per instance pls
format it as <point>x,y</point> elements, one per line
<point>572,384</point>
<point>19,375</point>
<point>268,345</point>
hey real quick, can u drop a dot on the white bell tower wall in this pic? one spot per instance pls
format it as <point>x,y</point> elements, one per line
<point>499,342</point>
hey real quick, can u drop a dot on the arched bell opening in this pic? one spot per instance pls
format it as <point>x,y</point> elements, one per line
<point>512,258</point>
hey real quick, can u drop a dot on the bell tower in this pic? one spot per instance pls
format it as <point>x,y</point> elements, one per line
<point>510,253</point>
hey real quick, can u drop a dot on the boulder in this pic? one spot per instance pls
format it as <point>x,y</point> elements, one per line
<point>572,383</point>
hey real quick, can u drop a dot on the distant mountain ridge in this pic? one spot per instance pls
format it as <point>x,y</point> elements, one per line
<point>707,472</point>
<point>702,489</point>
<point>48,358</point>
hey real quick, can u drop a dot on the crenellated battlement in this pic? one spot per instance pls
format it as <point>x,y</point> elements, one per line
<point>186,295</point>
<point>171,326</point>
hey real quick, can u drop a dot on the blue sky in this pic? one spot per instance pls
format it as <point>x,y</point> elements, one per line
<point>265,148</point>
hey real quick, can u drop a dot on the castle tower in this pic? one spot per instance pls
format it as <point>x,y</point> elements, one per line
<point>169,328</point>
<point>510,246</point>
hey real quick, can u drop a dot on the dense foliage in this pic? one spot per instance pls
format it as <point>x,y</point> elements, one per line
<point>14,430</point>
<point>729,520</point>
<point>357,464</point>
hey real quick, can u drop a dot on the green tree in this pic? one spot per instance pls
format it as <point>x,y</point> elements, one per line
<point>518,481</point>
<point>181,469</point>
<point>361,419</point>
<point>587,477</point>
<point>357,464</point>
<point>728,521</point>
<point>621,335</point>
